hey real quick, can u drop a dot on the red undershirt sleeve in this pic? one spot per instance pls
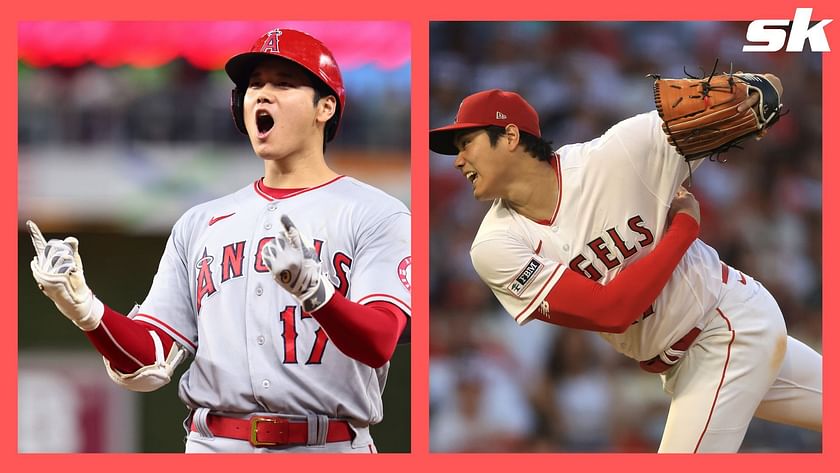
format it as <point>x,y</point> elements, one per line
<point>578,302</point>
<point>367,333</point>
<point>126,343</point>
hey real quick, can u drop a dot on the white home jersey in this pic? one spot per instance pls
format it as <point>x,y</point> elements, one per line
<point>616,193</point>
<point>255,351</point>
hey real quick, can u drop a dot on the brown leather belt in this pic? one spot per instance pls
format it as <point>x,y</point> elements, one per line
<point>269,431</point>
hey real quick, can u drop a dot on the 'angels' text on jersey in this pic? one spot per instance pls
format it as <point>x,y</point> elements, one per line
<point>233,258</point>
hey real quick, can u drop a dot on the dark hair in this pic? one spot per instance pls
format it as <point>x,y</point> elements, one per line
<point>321,90</point>
<point>536,147</point>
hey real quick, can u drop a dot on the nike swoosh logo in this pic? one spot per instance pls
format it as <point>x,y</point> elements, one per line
<point>216,219</point>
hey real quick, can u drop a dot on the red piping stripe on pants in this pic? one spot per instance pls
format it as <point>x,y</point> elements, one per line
<point>722,377</point>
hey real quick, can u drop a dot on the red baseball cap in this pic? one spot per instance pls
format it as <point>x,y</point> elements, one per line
<point>489,107</point>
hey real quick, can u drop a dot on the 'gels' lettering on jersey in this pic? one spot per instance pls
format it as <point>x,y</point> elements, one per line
<point>605,254</point>
<point>525,276</point>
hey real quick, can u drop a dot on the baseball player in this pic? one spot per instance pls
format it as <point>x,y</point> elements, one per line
<point>598,210</point>
<point>290,294</point>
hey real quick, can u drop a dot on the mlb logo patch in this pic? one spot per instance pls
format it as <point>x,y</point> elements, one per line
<point>525,277</point>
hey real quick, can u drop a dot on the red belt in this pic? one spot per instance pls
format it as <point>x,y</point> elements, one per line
<point>724,276</point>
<point>658,365</point>
<point>264,431</point>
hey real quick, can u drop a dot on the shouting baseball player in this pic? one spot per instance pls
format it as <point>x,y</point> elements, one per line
<point>290,294</point>
<point>597,211</point>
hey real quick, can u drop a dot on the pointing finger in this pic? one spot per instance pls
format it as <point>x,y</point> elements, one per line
<point>287,222</point>
<point>38,240</point>
<point>292,232</point>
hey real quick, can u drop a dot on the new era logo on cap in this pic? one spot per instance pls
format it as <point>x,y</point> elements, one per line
<point>485,109</point>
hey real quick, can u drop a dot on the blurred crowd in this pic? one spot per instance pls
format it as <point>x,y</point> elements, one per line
<point>495,386</point>
<point>179,103</point>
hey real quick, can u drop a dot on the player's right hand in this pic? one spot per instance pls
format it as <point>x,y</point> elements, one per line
<point>57,268</point>
<point>295,266</point>
<point>684,202</point>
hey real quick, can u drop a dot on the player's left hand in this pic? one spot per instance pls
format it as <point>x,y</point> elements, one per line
<point>295,266</point>
<point>754,97</point>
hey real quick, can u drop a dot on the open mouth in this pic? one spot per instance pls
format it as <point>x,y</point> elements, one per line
<point>265,122</point>
<point>471,176</point>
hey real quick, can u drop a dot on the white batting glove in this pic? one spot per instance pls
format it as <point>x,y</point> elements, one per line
<point>296,268</point>
<point>57,268</point>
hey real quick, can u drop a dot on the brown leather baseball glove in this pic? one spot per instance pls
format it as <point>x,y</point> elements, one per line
<point>701,117</point>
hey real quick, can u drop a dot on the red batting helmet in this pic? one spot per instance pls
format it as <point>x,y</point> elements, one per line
<point>297,47</point>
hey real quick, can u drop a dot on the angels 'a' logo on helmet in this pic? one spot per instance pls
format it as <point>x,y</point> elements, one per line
<point>272,42</point>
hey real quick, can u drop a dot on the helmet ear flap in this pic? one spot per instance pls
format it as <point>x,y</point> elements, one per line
<point>237,106</point>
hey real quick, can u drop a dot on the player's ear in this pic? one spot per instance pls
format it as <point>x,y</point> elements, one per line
<point>326,108</point>
<point>511,137</point>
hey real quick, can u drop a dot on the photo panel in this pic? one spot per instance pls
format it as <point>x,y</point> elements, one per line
<point>497,386</point>
<point>126,142</point>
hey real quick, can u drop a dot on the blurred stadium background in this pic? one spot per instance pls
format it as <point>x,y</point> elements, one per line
<point>498,387</point>
<point>123,126</point>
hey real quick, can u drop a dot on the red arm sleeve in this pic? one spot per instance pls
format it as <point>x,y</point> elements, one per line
<point>367,333</point>
<point>578,302</point>
<point>125,343</point>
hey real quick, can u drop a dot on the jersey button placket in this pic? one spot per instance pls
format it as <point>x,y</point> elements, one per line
<point>259,290</point>
<point>266,384</point>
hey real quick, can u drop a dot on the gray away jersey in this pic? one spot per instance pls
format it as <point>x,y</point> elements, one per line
<point>255,351</point>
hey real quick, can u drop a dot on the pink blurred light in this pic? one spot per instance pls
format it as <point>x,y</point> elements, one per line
<point>207,45</point>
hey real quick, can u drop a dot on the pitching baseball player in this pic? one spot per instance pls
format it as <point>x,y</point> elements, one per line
<point>598,210</point>
<point>290,294</point>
